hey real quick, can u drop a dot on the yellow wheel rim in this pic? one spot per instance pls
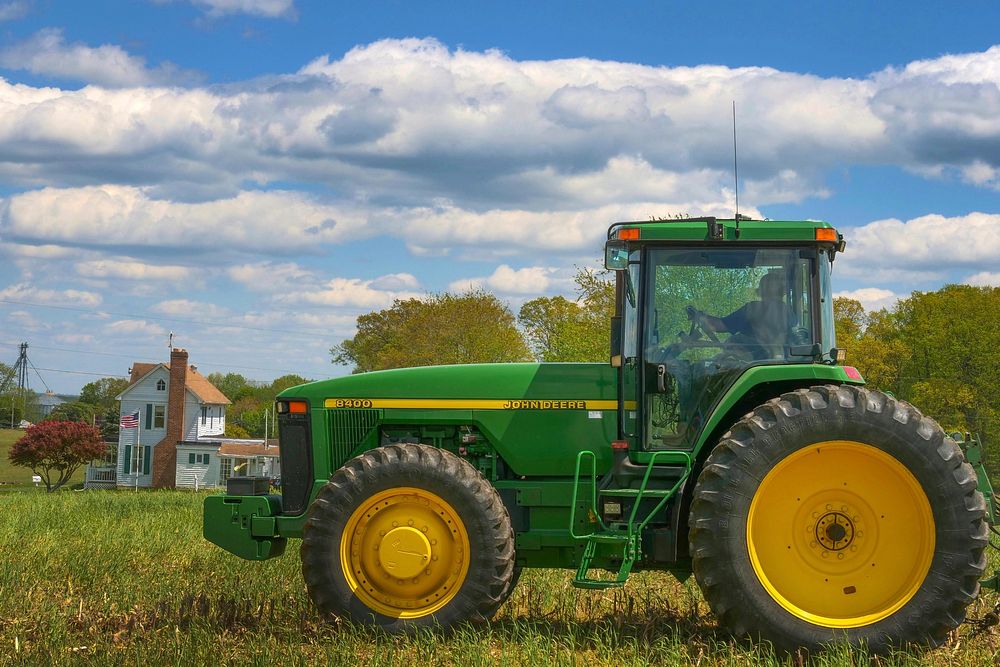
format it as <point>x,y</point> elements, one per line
<point>840,534</point>
<point>405,552</point>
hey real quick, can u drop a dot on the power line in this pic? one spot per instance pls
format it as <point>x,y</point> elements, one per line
<point>228,325</point>
<point>59,370</point>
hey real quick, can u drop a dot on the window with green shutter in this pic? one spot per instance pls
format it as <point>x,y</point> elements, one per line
<point>126,459</point>
<point>145,460</point>
<point>149,416</point>
<point>191,458</point>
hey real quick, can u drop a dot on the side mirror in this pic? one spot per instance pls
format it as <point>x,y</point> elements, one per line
<point>615,256</point>
<point>616,341</point>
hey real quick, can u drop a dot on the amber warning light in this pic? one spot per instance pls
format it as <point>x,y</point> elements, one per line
<point>293,407</point>
<point>628,234</point>
<point>826,234</point>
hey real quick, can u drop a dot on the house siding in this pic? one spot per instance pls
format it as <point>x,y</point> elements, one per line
<point>136,398</point>
<point>197,475</point>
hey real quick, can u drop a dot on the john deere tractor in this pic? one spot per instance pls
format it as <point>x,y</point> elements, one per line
<point>725,438</point>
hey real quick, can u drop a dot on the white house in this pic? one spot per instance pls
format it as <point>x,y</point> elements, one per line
<point>178,439</point>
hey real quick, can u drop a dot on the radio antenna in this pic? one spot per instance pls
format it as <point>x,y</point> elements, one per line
<point>736,169</point>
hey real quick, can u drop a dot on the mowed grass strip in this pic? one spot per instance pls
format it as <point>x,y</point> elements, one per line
<point>125,578</point>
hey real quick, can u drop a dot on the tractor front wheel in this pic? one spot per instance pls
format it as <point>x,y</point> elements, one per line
<point>406,536</point>
<point>838,513</point>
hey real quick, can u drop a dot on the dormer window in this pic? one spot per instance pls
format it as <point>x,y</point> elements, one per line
<point>160,385</point>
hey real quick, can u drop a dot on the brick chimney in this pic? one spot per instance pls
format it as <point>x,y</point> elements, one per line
<point>165,452</point>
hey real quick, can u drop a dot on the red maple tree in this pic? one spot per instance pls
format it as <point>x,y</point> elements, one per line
<point>54,450</point>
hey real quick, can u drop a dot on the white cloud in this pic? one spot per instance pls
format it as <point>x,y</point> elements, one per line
<point>47,53</point>
<point>984,279</point>
<point>397,123</point>
<point>74,339</point>
<point>872,298</point>
<point>352,292</point>
<point>506,280</point>
<point>396,281</point>
<point>920,246</point>
<point>115,215</point>
<point>265,8</point>
<point>13,10</point>
<point>24,292</point>
<point>126,269</point>
<point>22,320</point>
<point>135,328</point>
<point>189,309</point>
<point>271,276</point>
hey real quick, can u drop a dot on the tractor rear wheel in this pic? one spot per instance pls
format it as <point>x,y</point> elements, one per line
<point>838,513</point>
<point>408,536</point>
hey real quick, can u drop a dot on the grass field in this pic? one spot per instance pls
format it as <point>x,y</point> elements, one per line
<point>15,476</point>
<point>125,578</point>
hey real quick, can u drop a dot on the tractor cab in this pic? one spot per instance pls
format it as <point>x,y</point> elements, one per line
<point>701,301</point>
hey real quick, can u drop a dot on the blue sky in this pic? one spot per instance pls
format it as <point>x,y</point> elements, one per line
<point>253,174</point>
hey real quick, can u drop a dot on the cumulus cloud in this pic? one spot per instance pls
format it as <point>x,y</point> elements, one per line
<point>351,292</point>
<point>400,121</point>
<point>24,292</point>
<point>188,308</point>
<point>529,280</point>
<point>923,247</point>
<point>74,339</point>
<point>125,269</point>
<point>264,8</point>
<point>116,216</point>
<point>872,298</point>
<point>270,276</point>
<point>13,10</point>
<point>47,53</point>
<point>135,328</point>
<point>984,279</point>
<point>285,222</point>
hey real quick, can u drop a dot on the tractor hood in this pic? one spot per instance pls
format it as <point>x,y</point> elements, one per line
<point>556,381</point>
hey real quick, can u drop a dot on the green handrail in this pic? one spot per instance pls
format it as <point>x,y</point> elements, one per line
<point>593,494</point>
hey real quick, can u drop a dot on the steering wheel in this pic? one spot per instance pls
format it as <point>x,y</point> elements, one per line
<point>698,325</point>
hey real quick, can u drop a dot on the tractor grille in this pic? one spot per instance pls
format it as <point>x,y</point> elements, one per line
<point>295,444</point>
<point>346,429</point>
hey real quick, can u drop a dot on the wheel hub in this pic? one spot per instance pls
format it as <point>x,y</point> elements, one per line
<point>835,529</point>
<point>404,552</point>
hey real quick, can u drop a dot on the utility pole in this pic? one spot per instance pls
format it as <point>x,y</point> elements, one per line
<point>20,371</point>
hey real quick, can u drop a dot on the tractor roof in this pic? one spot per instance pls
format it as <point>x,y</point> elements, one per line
<point>717,229</point>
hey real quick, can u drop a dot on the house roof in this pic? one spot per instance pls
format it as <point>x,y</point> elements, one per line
<point>234,447</point>
<point>245,449</point>
<point>197,383</point>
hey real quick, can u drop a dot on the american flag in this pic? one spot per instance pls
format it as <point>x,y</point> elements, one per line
<point>130,421</point>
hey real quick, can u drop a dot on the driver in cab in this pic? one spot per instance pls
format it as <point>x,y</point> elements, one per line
<point>761,325</point>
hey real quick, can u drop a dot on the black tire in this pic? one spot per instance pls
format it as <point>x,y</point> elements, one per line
<point>736,470</point>
<point>475,502</point>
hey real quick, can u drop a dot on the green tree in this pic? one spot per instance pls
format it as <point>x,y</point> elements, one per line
<point>558,329</point>
<point>102,393</point>
<point>474,327</point>
<point>55,449</point>
<point>236,431</point>
<point>284,382</point>
<point>850,319</point>
<point>233,385</point>
<point>954,336</point>
<point>78,411</point>
<point>554,328</point>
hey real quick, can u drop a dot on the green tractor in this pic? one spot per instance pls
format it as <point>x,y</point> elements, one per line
<point>725,439</point>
